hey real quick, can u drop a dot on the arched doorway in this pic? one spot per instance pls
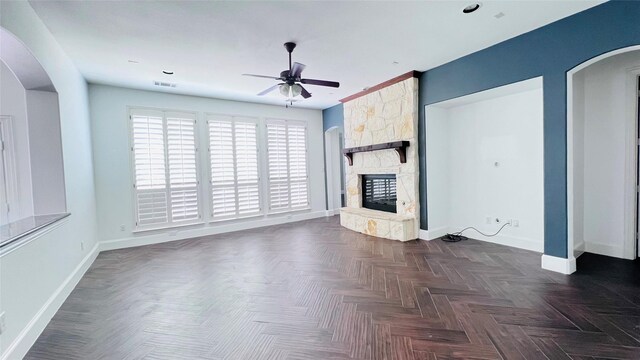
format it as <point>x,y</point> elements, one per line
<point>334,169</point>
<point>602,155</point>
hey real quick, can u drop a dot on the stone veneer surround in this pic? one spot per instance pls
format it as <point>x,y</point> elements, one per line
<point>388,114</point>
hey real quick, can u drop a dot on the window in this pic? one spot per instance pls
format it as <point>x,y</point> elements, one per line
<point>233,155</point>
<point>287,165</point>
<point>165,168</point>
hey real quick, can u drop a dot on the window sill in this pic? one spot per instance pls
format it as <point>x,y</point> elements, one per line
<point>293,211</point>
<point>168,227</point>
<point>18,233</point>
<point>218,220</point>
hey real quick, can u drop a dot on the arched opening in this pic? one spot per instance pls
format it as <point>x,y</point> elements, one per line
<point>333,141</point>
<point>32,190</point>
<point>602,155</point>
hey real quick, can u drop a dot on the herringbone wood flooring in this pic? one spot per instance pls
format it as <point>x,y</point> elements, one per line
<point>314,290</point>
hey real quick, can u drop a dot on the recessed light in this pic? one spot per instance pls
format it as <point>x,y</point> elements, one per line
<point>167,72</point>
<point>471,8</point>
<point>133,61</point>
<point>395,63</point>
<point>498,15</point>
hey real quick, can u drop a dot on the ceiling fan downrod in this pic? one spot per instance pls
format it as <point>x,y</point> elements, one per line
<point>289,46</point>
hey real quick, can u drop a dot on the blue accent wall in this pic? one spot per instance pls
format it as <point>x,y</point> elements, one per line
<point>333,116</point>
<point>550,52</point>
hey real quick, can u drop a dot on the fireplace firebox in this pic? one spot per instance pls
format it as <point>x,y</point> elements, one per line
<point>379,192</point>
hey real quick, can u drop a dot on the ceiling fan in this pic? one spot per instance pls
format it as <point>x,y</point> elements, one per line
<point>291,79</point>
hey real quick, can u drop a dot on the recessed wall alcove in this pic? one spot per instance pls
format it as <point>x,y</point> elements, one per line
<point>32,190</point>
<point>485,165</point>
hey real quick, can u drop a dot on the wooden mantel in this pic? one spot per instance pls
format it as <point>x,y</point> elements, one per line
<point>397,79</point>
<point>399,146</point>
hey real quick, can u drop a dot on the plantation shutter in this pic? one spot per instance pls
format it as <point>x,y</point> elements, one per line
<point>183,177</point>
<point>297,139</point>
<point>247,176</point>
<point>165,169</point>
<point>233,151</point>
<point>278,163</point>
<point>150,168</point>
<point>287,165</point>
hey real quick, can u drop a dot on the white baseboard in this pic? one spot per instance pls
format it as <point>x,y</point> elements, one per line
<point>432,234</point>
<point>560,265</point>
<point>206,230</point>
<point>332,212</point>
<point>28,336</point>
<point>604,249</point>
<point>517,242</point>
<point>578,249</point>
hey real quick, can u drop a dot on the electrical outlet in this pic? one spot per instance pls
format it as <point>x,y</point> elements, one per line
<point>488,219</point>
<point>515,223</point>
<point>3,325</point>
<point>122,227</point>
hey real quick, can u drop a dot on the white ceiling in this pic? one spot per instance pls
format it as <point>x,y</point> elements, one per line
<point>210,44</point>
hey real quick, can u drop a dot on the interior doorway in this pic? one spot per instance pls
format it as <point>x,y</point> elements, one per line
<point>603,152</point>
<point>334,165</point>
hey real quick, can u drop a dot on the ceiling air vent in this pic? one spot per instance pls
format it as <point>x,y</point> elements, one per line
<point>165,84</point>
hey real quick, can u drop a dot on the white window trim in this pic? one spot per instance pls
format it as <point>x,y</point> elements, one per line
<point>260,156</point>
<point>266,161</point>
<point>170,224</point>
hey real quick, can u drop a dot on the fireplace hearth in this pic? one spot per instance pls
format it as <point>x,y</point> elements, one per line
<point>379,192</point>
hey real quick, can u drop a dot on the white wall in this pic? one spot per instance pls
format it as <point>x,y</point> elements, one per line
<point>111,151</point>
<point>45,153</point>
<point>36,278</point>
<point>438,171</point>
<point>13,102</point>
<point>466,138</point>
<point>603,153</point>
<point>578,167</point>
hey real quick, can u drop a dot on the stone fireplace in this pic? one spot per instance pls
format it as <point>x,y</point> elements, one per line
<point>380,130</point>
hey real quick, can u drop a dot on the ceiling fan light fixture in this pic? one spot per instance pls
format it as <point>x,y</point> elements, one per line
<point>284,89</point>
<point>289,79</point>
<point>290,91</point>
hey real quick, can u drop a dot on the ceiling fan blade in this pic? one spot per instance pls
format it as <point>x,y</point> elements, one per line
<point>262,76</point>
<point>305,94</point>
<point>264,92</point>
<point>296,69</point>
<point>320,82</point>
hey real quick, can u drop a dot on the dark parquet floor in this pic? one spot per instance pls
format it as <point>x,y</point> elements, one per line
<point>313,290</point>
